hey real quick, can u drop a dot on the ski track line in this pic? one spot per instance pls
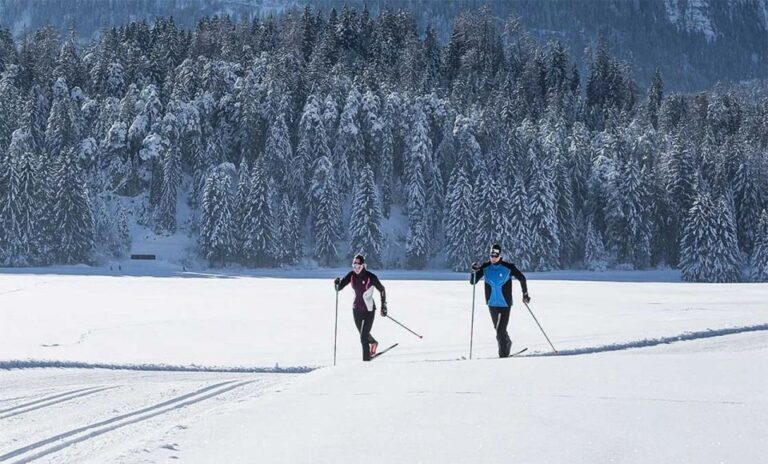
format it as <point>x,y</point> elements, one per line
<point>47,401</point>
<point>102,431</point>
<point>49,398</point>
<point>41,364</point>
<point>649,342</point>
<point>645,343</point>
<point>154,410</point>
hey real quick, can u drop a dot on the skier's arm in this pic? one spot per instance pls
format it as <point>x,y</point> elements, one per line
<point>519,276</point>
<point>344,281</point>
<point>476,275</point>
<point>377,283</point>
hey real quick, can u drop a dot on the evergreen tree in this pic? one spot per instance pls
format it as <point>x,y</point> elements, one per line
<point>545,243</point>
<point>217,235</point>
<point>72,215</point>
<point>627,216</point>
<point>325,212</point>
<point>595,258</point>
<point>417,168</point>
<point>10,106</point>
<point>313,144</point>
<point>258,229</point>
<point>655,97</point>
<point>519,244</point>
<point>61,131</point>
<point>708,248</point>
<point>365,223</point>
<point>288,233</point>
<point>278,152</point>
<point>759,272</point>
<point>349,149</point>
<point>165,215</point>
<point>460,227</point>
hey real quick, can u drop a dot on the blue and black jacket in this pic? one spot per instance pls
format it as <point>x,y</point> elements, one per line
<point>498,282</point>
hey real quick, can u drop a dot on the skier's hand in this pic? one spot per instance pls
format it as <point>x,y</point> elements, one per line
<point>526,298</point>
<point>476,267</point>
<point>336,283</point>
<point>383,309</point>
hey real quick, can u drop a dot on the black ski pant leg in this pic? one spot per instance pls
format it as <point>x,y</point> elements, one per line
<point>500,318</point>
<point>364,323</point>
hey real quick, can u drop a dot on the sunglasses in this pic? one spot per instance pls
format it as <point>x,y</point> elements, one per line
<point>495,256</point>
<point>356,265</point>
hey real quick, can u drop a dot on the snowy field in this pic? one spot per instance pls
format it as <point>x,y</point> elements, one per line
<point>217,368</point>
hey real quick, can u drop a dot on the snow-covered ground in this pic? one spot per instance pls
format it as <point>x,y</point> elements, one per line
<point>650,371</point>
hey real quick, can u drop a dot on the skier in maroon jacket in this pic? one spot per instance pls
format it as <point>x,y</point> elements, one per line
<point>364,307</point>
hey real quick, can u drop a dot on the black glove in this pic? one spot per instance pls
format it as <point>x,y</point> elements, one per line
<point>336,283</point>
<point>383,309</point>
<point>476,267</point>
<point>526,298</point>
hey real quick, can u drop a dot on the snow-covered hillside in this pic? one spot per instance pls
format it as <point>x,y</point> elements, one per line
<point>648,372</point>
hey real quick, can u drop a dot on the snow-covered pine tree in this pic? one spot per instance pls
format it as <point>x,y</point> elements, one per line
<point>519,245</point>
<point>278,152</point>
<point>627,215</point>
<point>415,191</point>
<point>759,271</point>
<point>595,258</point>
<point>313,145</point>
<point>61,132</point>
<point>460,227</point>
<point>288,245</point>
<point>165,214</point>
<point>370,110</point>
<point>10,106</point>
<point>30,210</point>
<point>349,149</point>
<point>748,201</point>
<point>727,258</point>
<point>325,211</point>
<point>708,248</point>
<point>365,222</point>
<point>382,140</point>
<point>73,223</point>
<point>545,243</point>
<point>217,235</point>
<point>258,229</point>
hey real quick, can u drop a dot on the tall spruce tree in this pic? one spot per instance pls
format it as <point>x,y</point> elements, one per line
<point>258,229</point>
<point>460,224</point>
<point>72,215</point>
<point>365,222</point>
<point>325,212</point>
<point>217,230</point>
<point>759,271</point>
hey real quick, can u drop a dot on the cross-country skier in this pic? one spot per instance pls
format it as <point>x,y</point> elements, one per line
<point>364,308</point>
<point>498,293</point>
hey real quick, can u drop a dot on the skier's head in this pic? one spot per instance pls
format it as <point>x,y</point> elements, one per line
<point>358,263</point>
<point>495,252</point>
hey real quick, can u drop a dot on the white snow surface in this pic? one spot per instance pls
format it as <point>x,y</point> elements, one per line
<point>224,368</point>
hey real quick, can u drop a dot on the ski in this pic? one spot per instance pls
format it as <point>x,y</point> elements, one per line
<point>511,355</point>
<point>383,351</point>
<point>517,352</point>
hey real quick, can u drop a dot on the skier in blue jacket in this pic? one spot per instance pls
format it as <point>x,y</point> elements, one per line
<point>498,293</point>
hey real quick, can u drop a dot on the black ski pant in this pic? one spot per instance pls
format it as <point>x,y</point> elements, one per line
<point>500,318</point>
<point>364,323</point>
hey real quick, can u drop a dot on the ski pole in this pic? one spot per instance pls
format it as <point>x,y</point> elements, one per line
<point>541,328</point>
<point>472,325</point>
<point>336,326</point>
<point>401,325</point>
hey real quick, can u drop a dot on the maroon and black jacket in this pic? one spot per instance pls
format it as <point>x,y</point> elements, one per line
<point>363,284</point>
